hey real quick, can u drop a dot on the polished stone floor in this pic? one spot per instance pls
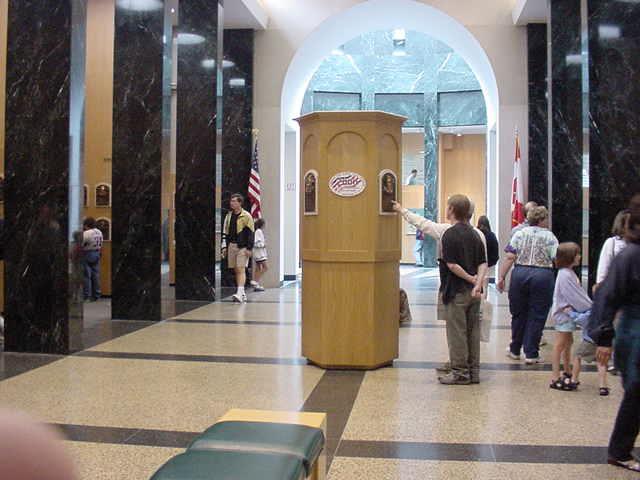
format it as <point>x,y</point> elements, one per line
<point>141,391</point>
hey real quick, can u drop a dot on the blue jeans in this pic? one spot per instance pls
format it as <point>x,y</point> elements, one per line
<point>418,252</point>
<point>530,298</point>
<point>92,275</point>
<point>627,360</point>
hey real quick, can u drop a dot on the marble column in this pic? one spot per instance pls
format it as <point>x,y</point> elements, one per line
<point>566,118</point>
<point>198,46</point>
<point>44,130</point>
<point>237,139</point>
<point>137,161</point>
<point>538,113</point>
<point>431,171</point>
<point>614,96</point>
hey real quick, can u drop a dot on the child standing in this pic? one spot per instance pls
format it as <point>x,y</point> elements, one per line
<point>259,255</point>
<point>568,295</point>
<point>587,351</point>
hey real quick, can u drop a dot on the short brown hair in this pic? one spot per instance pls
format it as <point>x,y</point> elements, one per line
<point>566,254</point>
<point>239,197</point>
<point>537,215</point>
<point>461,206</point>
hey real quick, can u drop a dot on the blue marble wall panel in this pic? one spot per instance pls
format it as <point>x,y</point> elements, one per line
<point>538,113</point>
<point>566,93</point>
<point>41,289</point>
<point>462,108</point>
<point>196,150</point>
<point>333,101</point>
<point>237,138</point>
<point>410,105</point>
<point>614,96</point>
<point>137,163</point>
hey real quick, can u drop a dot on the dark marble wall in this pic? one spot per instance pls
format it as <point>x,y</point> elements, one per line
<point>196,150</point>
<point>566,120</point>
<point>137,166</point>
<point>41,294</point>
<point>614,69</point>
<point>538,113</point>
<point>237,120</point>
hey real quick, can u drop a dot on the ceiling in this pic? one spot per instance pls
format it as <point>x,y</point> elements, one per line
<point>245,14</point>
<point>529,11</point>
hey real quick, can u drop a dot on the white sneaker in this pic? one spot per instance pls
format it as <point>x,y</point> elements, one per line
<point>239,299</point>
<point>511,355</point>
<point>244,298</point>
<point>534,361</point>
<point>254,283</point>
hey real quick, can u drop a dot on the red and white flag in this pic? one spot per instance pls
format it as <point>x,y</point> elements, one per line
<point>254,185</point>
<point>517,192</point>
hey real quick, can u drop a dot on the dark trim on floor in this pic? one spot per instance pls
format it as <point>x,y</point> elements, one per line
<point>439,325</point>
<point>471,452</point>
<point>13,364</point>
<point>434,451</point>
<point>290,278</point>
<point>192,358</point>
<point>335,394</point>
<point>295,361</point>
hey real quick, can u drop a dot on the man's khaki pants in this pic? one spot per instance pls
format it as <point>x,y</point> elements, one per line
<point>463,334</point>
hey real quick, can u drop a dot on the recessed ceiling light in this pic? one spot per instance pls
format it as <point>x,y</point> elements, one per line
<point>228,64</point>
<point>237,82</point>
<point>606,32</point>
<point>208,63</point>
<point>399,34</point>
<point>140,5</point>
<point>190,39</point>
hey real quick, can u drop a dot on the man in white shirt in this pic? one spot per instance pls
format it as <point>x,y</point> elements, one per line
<point>412,179</point>
<point>92,247</point>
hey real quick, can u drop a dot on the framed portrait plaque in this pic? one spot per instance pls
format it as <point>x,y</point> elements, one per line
<point>311,193</point>
<point>388,185</point>
<point>103,195</point>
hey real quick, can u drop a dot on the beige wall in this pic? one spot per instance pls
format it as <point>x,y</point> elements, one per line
<point>463,170</point>
<point>293,20</point>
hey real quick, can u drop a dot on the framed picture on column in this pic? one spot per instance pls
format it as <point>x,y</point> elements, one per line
<point>388,186</point>
<point>311,192</point>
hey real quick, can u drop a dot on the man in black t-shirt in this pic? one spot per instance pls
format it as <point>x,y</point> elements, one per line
<point>464,255</point>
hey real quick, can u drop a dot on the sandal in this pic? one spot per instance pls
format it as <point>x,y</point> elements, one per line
<point>559,385</point>
<point>604,391</point>
<point>631,464</point>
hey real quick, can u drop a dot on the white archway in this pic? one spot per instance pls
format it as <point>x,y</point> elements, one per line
<point>368,16</point>
<point>375,15</point>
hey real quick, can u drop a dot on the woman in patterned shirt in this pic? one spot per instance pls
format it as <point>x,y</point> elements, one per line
<point>532,250</point>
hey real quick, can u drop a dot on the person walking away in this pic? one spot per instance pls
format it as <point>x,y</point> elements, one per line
<point>260,256</point>
<point>465,258</point>
<point>568,295</point>
<point>237,243</point>
<point>412,179</point>
<point>532,249</point>
<point>612,247</point>
<point>418,249</point>
<point>620,290</point>
<point>92,246</point>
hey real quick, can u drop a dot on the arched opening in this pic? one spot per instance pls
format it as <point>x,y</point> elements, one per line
<point>375,15</point>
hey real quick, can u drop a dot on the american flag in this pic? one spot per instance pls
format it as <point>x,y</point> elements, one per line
<point>254,185</point>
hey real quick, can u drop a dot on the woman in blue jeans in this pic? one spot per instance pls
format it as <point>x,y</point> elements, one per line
<point>532,249</point>
<point>620,291</point>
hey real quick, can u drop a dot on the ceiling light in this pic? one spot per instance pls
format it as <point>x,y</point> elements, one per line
<point>338,51</point>
<point>228,64</point>
<point>399,52</point>
<point>399,34</point>
<point>606,32</point>
<point>173,10</point>
<point>458,134</point>
<point>574,59</point>
<point>140,5</point>
<point>190,39</point>
<point>237,82</point>
<point>208,63</point>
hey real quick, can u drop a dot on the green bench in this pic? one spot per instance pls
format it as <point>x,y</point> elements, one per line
<point>253,444</point>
